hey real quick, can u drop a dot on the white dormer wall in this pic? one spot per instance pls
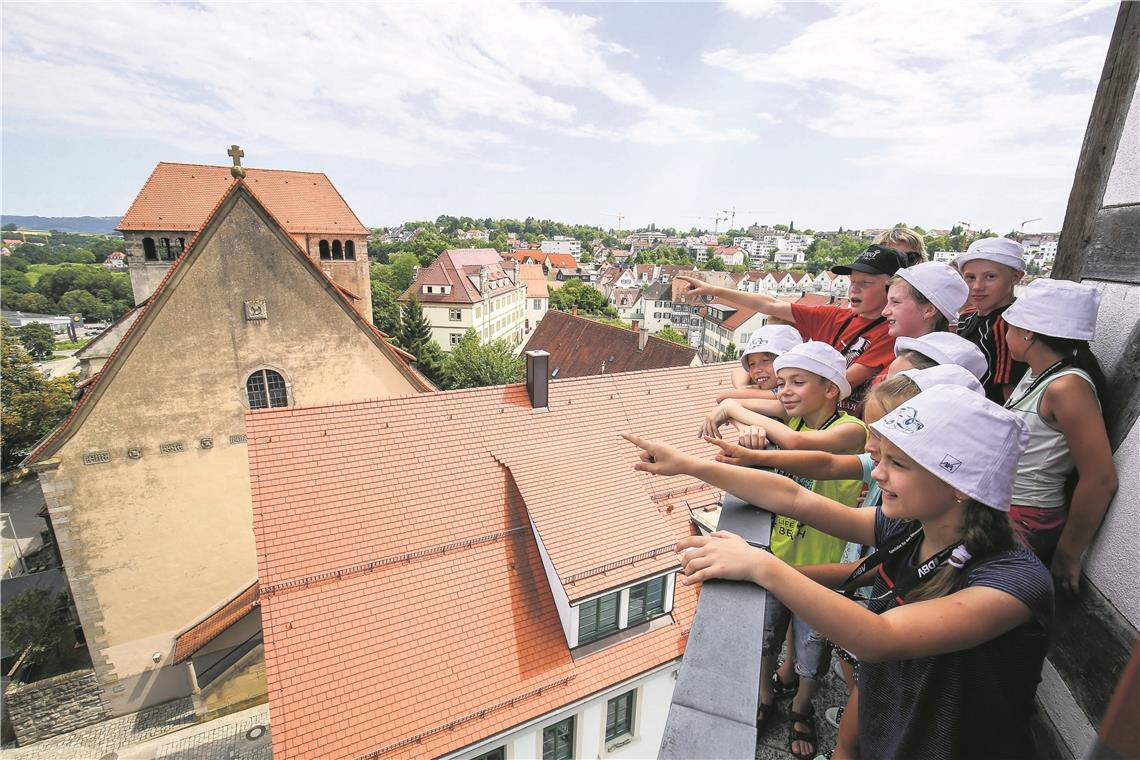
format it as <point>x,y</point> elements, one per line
<point>436,289</point>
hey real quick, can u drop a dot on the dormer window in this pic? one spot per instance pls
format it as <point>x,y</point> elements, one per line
<point>598,617</point>
<point>624,608</point>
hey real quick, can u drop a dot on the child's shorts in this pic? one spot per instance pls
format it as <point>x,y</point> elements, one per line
<point>812,649</point>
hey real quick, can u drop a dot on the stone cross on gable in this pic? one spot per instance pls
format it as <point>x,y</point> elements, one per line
<point>236,153</point>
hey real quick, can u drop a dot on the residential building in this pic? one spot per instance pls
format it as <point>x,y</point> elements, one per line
<point>531,607</point>
<point>115,260</point>
<point>943,257</point>
<point>177,199</point>
<point>537,295</point>
<point>579,346</point>
<point>657,306</point>
<point>146,482</point>
<point>562,244</point>
<point>474,234</point>
<point>749,245</point>
<point>627,301</point>
<point>471,288</point>
<point>731,256</point>
<point>727,329</point>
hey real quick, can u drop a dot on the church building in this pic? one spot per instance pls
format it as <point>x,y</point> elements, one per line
<point>146,482</point>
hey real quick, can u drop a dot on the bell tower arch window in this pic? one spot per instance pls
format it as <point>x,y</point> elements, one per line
<point>266,389</point>
<point>324,249</point>
<point>337,251</point>
<point>350,250</point>
<point>166,251</point>
<point>150,253</point>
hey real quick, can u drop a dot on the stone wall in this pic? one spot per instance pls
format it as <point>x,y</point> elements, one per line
<point>55,705</point>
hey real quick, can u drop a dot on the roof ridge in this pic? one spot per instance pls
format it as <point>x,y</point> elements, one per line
<point>247,168</point>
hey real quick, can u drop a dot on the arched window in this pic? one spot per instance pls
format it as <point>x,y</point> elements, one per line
<point>166,251</point>
<point>338,253</point>
<point>324,246</point>
<point>181,245</point>
<point>350,250</point>
<point>266,389</point>
<point>149,251</point>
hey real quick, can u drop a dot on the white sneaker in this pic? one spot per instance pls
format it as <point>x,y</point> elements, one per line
<point>833,715</point>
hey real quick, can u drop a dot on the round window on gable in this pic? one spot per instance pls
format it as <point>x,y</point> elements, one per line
<point>266,389</point>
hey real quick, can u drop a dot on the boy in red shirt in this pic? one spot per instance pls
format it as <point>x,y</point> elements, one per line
<point>859,333</point>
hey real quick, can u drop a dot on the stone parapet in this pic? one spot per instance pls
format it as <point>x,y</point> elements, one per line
<point>55,705</point>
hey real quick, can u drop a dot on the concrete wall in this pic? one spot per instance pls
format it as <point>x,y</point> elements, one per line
<point>654,690</point>
<point>1118,543</point>
<point>54,706</point>
<point>152,543</point>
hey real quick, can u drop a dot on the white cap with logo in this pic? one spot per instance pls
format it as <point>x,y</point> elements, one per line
<point>820,359</point>
<point>947,348</point>
<point>1057,308</point>
<point>996,249</point>
<point>772,339</point>
<point>940,284</point>
<point>944,374</point>
<point>963,439</point>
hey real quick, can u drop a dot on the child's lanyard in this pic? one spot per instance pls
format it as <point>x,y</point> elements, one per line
<point>869,326</point>
<point>1052,369</point>
<point>905,584</point>
<point>830,421</point>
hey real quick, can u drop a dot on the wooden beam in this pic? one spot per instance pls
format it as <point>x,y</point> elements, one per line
<point>1122,405</point>
<point>1114,251</point>
<point>1102,136</point>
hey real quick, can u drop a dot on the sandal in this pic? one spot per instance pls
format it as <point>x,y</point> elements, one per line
<point>781,690</point>
<point>809,736</point>
<point>764,715</point>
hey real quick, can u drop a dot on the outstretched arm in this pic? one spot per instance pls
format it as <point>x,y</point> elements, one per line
<point>841,439</point>
<point>922,629</point>
<point>773,492</point>
<point>811,464</point>
<point>761,302</point>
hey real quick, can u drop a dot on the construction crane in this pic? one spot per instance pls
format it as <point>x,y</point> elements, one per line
<point>1027,221</point>
<point>716,220</point>
<point>620,218</point>
<point>732,216</point>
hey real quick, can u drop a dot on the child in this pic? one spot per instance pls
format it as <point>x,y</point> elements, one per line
<point>937,348</point>
<point>991,268</point>
<point>812,381</point>
<point>859,332</point>
<point>757,378</point>
<point>884,398</point>
<point>1049,328</point>
<point>905,241</point>
<point>952,643</point>
<point>924,298</point>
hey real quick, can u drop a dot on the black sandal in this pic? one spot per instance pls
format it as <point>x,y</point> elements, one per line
<point>809,736</point>
<point>781,690</point>
<point>764,715</point>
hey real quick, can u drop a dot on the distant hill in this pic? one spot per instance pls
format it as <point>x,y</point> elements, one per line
<point>100,224</point>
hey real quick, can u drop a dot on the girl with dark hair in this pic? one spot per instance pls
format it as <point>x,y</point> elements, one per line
<point>1049,328</point>
<point>952,643</point>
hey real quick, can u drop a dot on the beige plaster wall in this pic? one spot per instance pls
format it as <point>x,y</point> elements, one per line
<point>153,544</point>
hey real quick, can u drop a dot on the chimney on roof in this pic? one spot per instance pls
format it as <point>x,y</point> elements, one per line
<point>483,279</point>
<point>642,338</point>
<point>574,311</point>
<point>634,325</point>
<point>538,378</point>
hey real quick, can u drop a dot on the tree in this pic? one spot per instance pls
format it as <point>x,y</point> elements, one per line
<point>714,264</point>
<point>36,621</point>
<point>473,365</point>
<point>10,227</point>
<point>668,333</point>
<point>32,303</point>
<point>385,308</point>
<point>37,339</point>
<point>586,257</point>
<point>414,330</point>
<point>588,301</point>
<point>430,361</point>
<point>30,404</point>
<point>84,303</point>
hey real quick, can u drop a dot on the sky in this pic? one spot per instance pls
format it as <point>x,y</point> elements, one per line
<point>836,114</point>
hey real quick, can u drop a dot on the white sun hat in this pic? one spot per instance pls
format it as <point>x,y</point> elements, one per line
<point>996,249</point>
<point>947,348</point>
<point>944,374</point>
<point>963,439</point>
<point>1057,308</point>
<point>820,359</point>
<point>772,339</point>
<point>940,284</point>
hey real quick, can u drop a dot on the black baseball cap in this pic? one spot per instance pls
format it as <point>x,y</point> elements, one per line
<point>875,259</point>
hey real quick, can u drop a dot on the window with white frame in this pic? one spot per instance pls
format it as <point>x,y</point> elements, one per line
<point>454,315</point>
<point>598,617</point>
<point>646,600</point>
<point>498,753</point>
<point>619,715</point>
<point>455,338</point>
<point>558,740</point>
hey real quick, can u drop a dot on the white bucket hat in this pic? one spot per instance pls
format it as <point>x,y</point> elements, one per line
<point>940,284</point>
<point>963,439</point>
<point>944,374</point>
<point>772,339</point>
<point>996,249</point>
<point>1057,308</point>
<point>947,348</point>
<point>820,359</point>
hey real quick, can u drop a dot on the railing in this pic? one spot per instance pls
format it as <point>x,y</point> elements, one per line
<point>713,712</point>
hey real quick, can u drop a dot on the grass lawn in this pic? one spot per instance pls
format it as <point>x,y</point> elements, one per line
<point>72,345</point>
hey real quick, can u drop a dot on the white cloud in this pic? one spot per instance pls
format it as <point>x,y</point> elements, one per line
<point>402,83</point>
<point>975,89</point>
<point>768,118</point>
<point>753,8</point>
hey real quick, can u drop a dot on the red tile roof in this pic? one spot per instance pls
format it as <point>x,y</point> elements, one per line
<point>580,347</point>
<point>182,196</point>
<point>205,631</point>
<point>535,281</point>
<point>560,261</point>
<point>405,607</point>
<point>459,268</point>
